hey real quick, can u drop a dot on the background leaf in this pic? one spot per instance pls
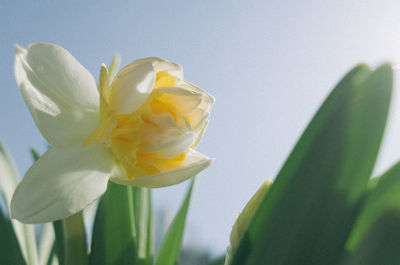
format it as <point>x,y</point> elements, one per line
<point>218,261</point>
<point>307,215</point>
<point>114,232</point>
<point>384,196</point>
<point>75,240</point>
<point>70,244</point>
<point>10,252</point>
<point>46,244</point>
<point>171,246</point>
<point>98,247</point>
<point>380,244</point>
<point>8,182</point>
<point>141,198</point>
<point>60,241</point>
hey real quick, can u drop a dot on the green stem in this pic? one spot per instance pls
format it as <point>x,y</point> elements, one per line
<point>75,240</point>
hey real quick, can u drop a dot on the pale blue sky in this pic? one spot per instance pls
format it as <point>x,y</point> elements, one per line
<point>269,65</point>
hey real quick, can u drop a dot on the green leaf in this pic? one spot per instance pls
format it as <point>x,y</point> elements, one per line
<point>114,233</point>
<point>8,182</point>
<point>98,247</point>
<point>70,244</point>
<point>306,216</point>
<point>141,198</point>
<point>171,246</point>
<point>384,196</point>
<point>218,261</point>
<point>380,244</point>
<point>10,252</point>
<point>60,241</point>
<point>35,154</point>
<point>75,240</point>
<point>47,244</point>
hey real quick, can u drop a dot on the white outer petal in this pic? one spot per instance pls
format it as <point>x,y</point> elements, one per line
<point>59,92</point>
<point>62,182</point>
<point>161,65</point>
<point>195,163</point>
<point>134,83</point>
<point>131,87</point>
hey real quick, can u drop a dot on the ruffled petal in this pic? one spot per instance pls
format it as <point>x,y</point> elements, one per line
<point>208,100</point>
<point>131,87</point>
<point>182,100</point>
<point>59,92</point>
<point>134,83</point>
<point>161,65</point>
<point>199,117</point>
<point>194,163</point>
<point>62,182</point>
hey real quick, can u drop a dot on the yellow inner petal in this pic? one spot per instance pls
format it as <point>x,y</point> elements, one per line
<point>164,79</point>
<point>129,134</point>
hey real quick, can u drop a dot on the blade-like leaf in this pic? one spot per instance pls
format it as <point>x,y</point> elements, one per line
<point>306,216</point>
<point>141,198</point>
<point>384,196</point>
<point>35,154</point>
<point>10,252</point>
<point>70,245</point>
<point>114,233</point>
<point>8,182</point>
<point>47,244</point>
<point>218,261</point>
<point>98,247</point>
<point>75,240</point>
<point>60,241</point>
<point>380,244</point>
<point>171,246</point>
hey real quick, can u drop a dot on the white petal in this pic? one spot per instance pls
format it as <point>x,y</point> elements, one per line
<point>134,83</point>
<point>181,99</point>
<point>161,65</point>
<point>172,68</point>
<point>169,146</point>
<point>207,101</point>
<point>199,131</point>
<point>163,136</point>
<point>199,117</point>
<point>195,162</point>
<point>62,182</point>
<point>131,87</point>
<point>60,93</point>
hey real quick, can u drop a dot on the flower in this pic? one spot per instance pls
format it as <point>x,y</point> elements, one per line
<point>139,128</point>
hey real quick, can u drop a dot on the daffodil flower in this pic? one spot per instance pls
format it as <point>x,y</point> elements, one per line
<point>138,128</point>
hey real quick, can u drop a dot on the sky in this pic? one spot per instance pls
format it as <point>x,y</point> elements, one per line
<point>269,64</point>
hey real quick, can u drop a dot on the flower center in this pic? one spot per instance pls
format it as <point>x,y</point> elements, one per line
<point>154,138</point>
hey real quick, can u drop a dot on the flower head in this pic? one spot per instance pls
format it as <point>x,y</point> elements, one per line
<point>138,128</point>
